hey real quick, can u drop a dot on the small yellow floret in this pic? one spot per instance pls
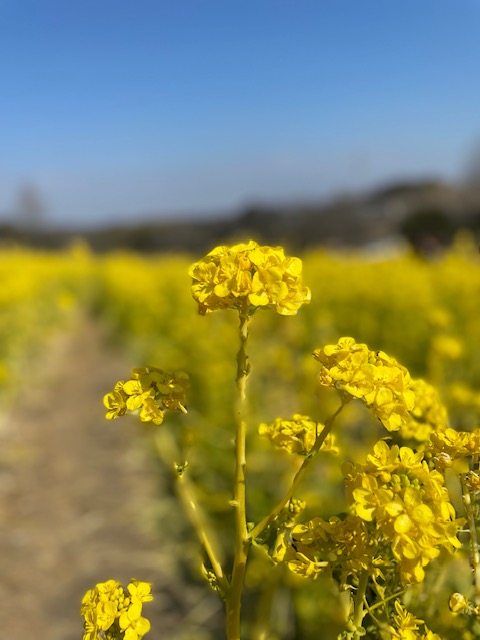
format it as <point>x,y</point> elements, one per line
<point>297,435</point>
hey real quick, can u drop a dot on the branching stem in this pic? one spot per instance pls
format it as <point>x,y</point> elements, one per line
<point>263,524</point>
<point>359,602</point>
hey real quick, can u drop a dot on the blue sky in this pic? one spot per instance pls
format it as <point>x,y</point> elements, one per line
<point>116,110</point>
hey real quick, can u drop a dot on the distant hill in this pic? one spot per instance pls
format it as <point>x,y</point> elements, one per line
<point>426,213</point>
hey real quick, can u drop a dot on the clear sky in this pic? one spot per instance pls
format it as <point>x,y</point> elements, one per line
<point>115,109</point>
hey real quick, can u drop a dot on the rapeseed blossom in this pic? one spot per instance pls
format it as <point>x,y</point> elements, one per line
<point>297,435</point>
<point>400,516</point>
<point>110,613</point>
<point>319,546</point>
<point>151,391</point>
<point>407,503</point>
<point>374,377</point>
<point>246,277</point>
<point>450,445</point>
<point>406,626</point>
<point>458,603</point>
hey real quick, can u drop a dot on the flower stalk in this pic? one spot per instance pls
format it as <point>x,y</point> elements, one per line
<point>242,543</point>
<point>186,494</point>
<point>472,528</point>
<point>359,604</point>
<point>263,524</point>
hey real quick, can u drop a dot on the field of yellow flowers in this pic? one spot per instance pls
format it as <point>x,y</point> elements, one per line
<point>422,313</point>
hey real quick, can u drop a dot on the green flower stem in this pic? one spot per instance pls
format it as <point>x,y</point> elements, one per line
<point>204,532</point>
<point>263,524</point>
<point>359,602</point>
<point>395,595</point>
<point>472,527</point>
<point>242,543</point>
<point>186,494</point>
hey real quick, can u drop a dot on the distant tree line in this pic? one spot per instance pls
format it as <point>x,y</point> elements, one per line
<point>427,215</point>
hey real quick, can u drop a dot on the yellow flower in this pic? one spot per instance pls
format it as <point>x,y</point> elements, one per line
<point>132,622</point>
<point>100,607</point>
<point>458,603</point>
<point>90,627</point>
<point>407,502</point>
<point>115,402</point>
<point>455,444</point>
<point>318,545</point>
<point>246,277</point>
<point>372,376</point>
<point>140,591</point>
<point>406,624</point>
<point>297,435</point>
<point>407,627</point>
<point>136,394</point>
<point>107,608</point>
<point>150,390</point>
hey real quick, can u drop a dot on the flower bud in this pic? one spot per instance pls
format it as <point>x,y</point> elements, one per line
<point>458,603</point>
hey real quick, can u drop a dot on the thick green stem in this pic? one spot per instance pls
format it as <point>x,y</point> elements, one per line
<point>242,543</point>
<point>263,524</point>
<point>359,603</point>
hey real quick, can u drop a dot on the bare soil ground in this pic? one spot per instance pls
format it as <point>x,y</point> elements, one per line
<point>77,495</point>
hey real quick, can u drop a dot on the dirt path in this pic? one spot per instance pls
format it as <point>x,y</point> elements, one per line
<point>74,494</point>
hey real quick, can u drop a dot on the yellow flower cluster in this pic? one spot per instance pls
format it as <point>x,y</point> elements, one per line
<point>406,626</point>
<point>450,445</point>
<point>373,376</point>
<point>319,545</point>
<point>297,435</point>
<point>111,613</point>
<point>150,390</point>
<point>407,502</point>
<point>247,276</point>
<point>428,415</point>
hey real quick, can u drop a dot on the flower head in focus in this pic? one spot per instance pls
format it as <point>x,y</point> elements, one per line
<point>248,276</point>
<point>407,503</point>
<point>110,613</point>
<point>378,380</point>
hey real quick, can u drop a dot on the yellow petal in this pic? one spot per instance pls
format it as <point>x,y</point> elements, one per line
<point>402,524</point>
